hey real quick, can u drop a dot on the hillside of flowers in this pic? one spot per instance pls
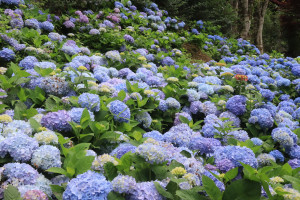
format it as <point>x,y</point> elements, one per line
<point>110,105</point>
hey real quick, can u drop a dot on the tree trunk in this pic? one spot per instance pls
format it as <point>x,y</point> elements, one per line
<point>262,9</point>
<point>246,19</point>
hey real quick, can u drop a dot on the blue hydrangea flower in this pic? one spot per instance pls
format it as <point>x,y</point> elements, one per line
<point>22,172</point>
<point>177,119</point>
<point>179,135</point>
<point>45,157</point>
<point>57,121</point>
<point>207,89</point>
<point>15,127</point>
<point>120,111</point>
<point>284,136</point>
<point>277,155</point>
<point>89,185</point>
<point>237,105</point>
<point>267,94</point>
<point>294,163</point>
<point>265,159</point>
<point>144,118</point>
<point>263,117</point>
<point>236,154</point>
<point>155,135</point>
<point>89,101</point>
<point>204,145</point>
<point>7,54</point>
<point>240,135</point>
<point>257,141</point>
<point>47,26</point>
<point>294,151</point>
<point>152,153</point>
<point>231,117</point>
<point>168,61</point>
<point>55,86</point>
<point>122,149</point>
<point>76,113</point>
<point>145,190</point>
<point>193,95</point>
<point>19,147</point>
<point>208,108</point>
<point>163,105</point>
<point>28,62</point>
<point>123,184</point>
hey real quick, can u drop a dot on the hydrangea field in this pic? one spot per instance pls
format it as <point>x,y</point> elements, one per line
<point>110,105</point>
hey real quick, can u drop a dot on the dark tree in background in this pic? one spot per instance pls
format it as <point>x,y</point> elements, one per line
<point>290,23</point>
<point>270,24</point>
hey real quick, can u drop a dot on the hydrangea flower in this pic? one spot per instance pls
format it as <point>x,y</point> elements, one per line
<point>7,54</point>
<point>144,118</point>
<point>120,111</point>
<point>237,105</point>
<point>46,137</point>
<point>57,121</point>
<point>145,191</point>
<point>236,154</point>
<point>89,101</point>
<point>284,136</point>
<point>100,161</point>
<point>35,195</point>
<point>55,86</point>
<point>123,148</point>
<point>24,173</point>
<point>152,153</point>
<point>19,147</point>
<point>261,116</point>
<point>89,185</point>
<point>76,113</point>
<point>123,184</point>
<point>265,159</point>
<point>179,135</point>
<point>45,157</point>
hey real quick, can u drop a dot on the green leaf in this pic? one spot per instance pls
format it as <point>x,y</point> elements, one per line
<point>22,95</point>
<point>160,172</point>
<point>110,135</point>
<point>57,191</point>
<point>110,171</point>
<point>211,189</point>
<point>231,174</point>
<point>34,124</point>
<point>184,119</point>
<point>84,164</point>
<point>136,135</point>
<point>115,196</point>
<point>85,119</point>
<point>121,95</point>
<point>162,191</point>
<point>243,189</point>
<point>189,195</point>
<point>57,170</point>
<point>12,193</point>
<point>295,181</point>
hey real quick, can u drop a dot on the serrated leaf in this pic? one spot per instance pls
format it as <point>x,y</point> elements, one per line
<point>57,170</point>
<point>85,119</point>
<point>231,174</point>
<point>162,191</point>
<point>211,189</point>
<point>115,196</point>
<point>243,189</point>
<point>12,193</point>
<point>189,195</point>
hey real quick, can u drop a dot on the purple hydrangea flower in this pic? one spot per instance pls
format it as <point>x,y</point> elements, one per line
<point>57,121</point>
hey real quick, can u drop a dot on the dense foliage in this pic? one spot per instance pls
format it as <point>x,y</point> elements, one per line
<point>111,105</point>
